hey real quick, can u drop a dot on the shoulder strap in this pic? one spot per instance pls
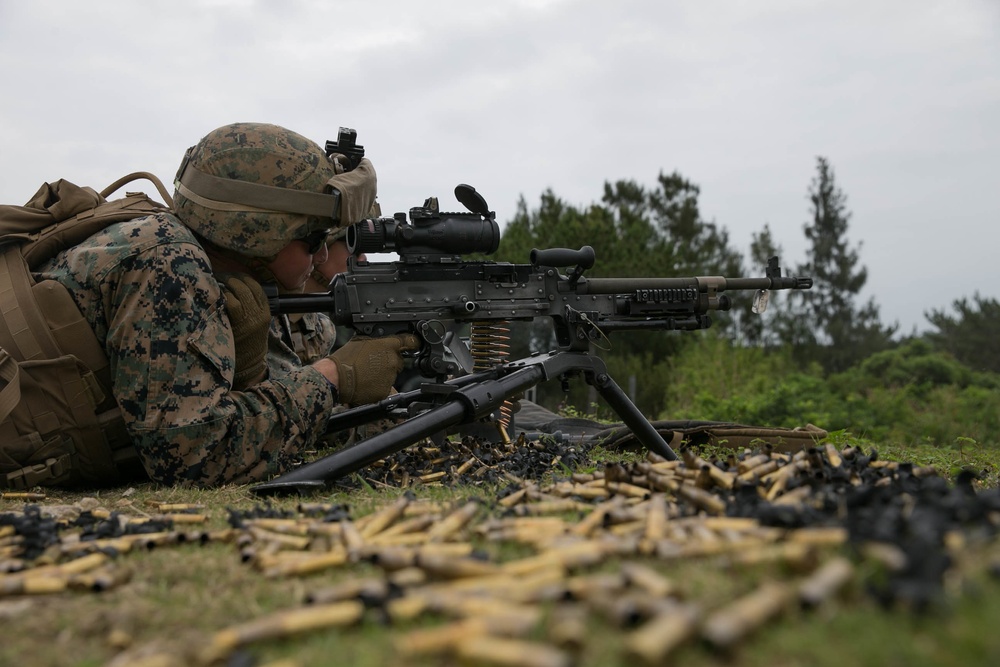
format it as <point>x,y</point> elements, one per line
<point>23,332</point>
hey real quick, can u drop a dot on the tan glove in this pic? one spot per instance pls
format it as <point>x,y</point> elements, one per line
<point>250,317</point>
<point>357,189</point>
<point>368,366</point>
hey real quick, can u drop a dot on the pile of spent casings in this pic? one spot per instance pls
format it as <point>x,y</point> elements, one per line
<point>602,545</point>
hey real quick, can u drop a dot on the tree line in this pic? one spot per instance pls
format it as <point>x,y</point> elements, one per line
<point>660,231</point>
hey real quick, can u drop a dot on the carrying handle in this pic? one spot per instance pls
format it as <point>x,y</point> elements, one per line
<point>136,175</point>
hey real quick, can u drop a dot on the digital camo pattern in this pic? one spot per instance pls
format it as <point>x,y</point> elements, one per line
<point>267,155</point>
<point>147,290</point>
<point>310,335</point>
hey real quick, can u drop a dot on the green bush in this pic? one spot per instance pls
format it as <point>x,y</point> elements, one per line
<point>911,394</point>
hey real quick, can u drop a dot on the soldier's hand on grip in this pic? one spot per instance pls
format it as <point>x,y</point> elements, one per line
<point>367,367</point>
<point>250,317</point>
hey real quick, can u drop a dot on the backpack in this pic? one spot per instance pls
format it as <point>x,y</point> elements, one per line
<point>59,422</point>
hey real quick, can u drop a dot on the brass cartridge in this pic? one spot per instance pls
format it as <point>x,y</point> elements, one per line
<point>349,589</point>
<point>306,563</point>
<point>647,579</point>
<point>820,536</point>
<point>831,577</point>
<point>567,626</point>
<point>100,580</point>
<point>626,489</point>
<point>656,639</point>
<point>454,522</point>
<point>701,499</point>
<point>725,627</point>
<point>451,567</point>
<point>281,540</point>
<point>490,650</point>
<point>22,495</point>
<point>752,462</point>
<point>832,455</point>
<point>759,471</point>
<point>282,624</point>
<point>167,508</point>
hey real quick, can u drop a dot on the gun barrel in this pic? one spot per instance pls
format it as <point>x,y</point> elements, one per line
<point>716,283</point>
<point>320,302</point>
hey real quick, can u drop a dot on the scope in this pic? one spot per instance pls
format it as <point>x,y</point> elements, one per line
<point>430,233</point>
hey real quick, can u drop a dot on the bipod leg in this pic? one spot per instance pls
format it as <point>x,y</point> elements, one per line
<point>635,420</point>
<point>470,401</point>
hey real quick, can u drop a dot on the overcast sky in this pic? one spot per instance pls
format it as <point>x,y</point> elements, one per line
<point>902,96</point>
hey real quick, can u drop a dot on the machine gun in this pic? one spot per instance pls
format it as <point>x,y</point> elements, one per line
<point>431,290</point>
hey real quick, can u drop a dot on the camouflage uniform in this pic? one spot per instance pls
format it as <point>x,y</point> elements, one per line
<point>311,336</point>
<point>146,288</point>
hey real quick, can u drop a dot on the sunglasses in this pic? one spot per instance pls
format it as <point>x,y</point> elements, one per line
<point>315,240</point>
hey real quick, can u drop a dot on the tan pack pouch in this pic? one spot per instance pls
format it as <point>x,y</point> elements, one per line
<point>48,424</point>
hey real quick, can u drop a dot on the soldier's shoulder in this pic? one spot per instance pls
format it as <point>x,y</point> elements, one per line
<point>155,229</point>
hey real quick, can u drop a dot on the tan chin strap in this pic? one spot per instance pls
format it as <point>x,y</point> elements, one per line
<point>221,194</point>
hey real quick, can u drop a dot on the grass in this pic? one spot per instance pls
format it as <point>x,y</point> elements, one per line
<point>180,595</point>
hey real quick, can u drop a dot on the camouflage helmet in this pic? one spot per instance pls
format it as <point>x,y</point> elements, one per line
<point>252,188</point>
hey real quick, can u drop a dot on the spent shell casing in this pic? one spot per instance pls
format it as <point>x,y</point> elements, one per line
<point>702,499</point>
<point>796,496</point>
<point>283,526</point>
<point>819,536</point>
<point>451,567</point>
<point>795,555</point>
<point>168,508</point>
<point>490,650</point>
<point>280,624</point>
<point>304,564</point>
<point>655,528</point>
<point>415,524</point>
<point>453,522</point>
<point>759,471</point>
<point>661,635</point>
<point>443,639</point>
<point>406,608</point>
<point>514,498</point>
<point>752,462</point>
<point>584,587</point>
<point>351,536</point>
<point>22,495</point>
<point>647,579</point>
<point>567,626</point>
<point>825,582</point>
<point>832,455</point>
<point>283,541</point>
<point>100,580</point>
<point>726,626</point>
<point>627,489</point>
<point>349,589</point>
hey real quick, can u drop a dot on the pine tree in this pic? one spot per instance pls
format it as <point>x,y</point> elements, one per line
<point>826,322</point>
<point>971,335</point>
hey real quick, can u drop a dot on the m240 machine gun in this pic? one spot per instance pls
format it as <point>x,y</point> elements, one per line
<point>431,291</point>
